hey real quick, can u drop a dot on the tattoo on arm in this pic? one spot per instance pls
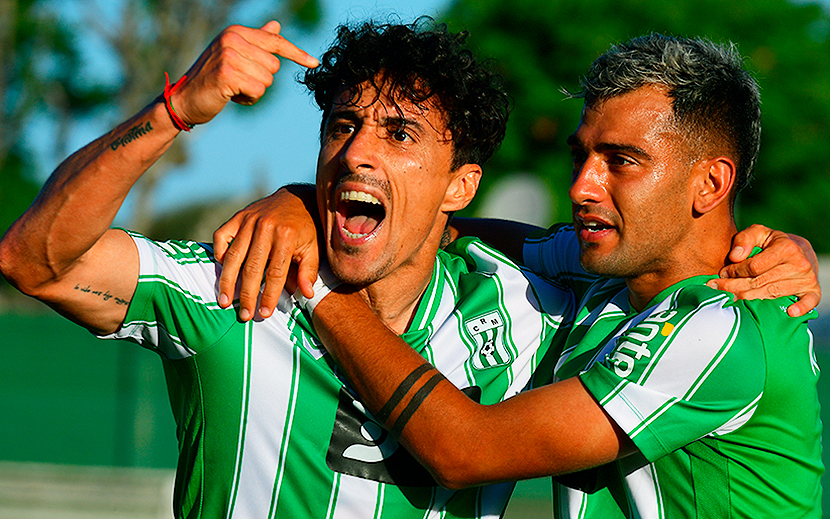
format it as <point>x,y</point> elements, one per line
<point>401,391</point>
<point>136,132</point>
<point>414,404</point>
<point>106,296</point>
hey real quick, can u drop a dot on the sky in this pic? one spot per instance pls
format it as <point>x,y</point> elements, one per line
<point>243,149</point>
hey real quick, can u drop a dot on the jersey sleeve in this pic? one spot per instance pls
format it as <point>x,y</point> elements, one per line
<point>692,366</point>
<point>174,310</point>
<point>554,253</point>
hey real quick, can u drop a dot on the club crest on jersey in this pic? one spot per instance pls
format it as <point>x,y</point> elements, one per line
<point>487,331</point>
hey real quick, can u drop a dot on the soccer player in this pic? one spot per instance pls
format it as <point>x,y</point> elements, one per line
<point>266,426</point>
<point>670,398</point>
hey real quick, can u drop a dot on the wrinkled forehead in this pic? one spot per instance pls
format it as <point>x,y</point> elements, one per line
<point>387,102</point>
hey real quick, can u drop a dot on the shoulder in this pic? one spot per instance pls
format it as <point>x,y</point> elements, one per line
<point>478,269</point>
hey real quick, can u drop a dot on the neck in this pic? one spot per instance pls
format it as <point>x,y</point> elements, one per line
<point>704,253</point>
<point>395,297</point>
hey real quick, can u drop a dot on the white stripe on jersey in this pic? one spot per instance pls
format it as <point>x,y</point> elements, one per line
<point>266,443</point>
<point>356,497</point>
<point>672,374</point>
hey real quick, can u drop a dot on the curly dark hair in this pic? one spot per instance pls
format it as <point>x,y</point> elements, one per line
<point>421,62</point>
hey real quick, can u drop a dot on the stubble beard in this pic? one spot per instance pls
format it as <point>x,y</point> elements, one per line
<point>364,276</point>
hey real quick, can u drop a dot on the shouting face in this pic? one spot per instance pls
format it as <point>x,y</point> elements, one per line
<point>385,184</point>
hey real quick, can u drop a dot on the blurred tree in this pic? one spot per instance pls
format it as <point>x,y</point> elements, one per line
<point>541,46</point>
<point>42,73</point>
<point>37,61</point>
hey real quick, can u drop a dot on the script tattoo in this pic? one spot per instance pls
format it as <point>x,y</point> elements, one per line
<point>106,296</point>
<point>132,134</point>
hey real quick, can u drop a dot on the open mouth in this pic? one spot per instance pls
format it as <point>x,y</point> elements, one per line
<point>593,227</point>
<point>360,212</point>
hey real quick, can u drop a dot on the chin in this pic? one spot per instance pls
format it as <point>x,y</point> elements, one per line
<point>602,265</point>
<point>353,275</point>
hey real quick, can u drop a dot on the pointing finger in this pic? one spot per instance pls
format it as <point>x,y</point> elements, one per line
<point>276,44</point>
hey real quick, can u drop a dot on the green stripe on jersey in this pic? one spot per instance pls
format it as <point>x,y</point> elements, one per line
<point>266,426</point>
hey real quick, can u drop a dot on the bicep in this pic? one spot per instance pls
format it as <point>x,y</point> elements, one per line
<point>97,290</point>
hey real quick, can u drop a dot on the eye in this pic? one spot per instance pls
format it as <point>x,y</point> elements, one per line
<point>620,160</point>
<point>400,135</point>
<point>343,128</point>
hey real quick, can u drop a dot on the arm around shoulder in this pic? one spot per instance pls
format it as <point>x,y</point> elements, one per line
<point>560,427</point>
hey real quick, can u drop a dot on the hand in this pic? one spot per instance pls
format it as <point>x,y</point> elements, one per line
<point>238,65</point>
<point>787,265</point>
<point>271,233</point>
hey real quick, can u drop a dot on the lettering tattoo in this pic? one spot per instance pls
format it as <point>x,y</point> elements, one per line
<point>446,239</point>
<point>132,134</point>
<point>106,296</point>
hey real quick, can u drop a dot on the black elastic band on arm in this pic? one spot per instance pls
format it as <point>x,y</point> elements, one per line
<point>414,404</point>
<point>401,391</point>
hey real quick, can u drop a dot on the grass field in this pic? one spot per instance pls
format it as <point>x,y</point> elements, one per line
<point>70,400</point>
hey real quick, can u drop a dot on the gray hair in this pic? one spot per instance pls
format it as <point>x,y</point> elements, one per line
<point>714,100</point>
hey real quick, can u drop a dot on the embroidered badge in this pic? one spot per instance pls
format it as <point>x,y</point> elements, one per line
<point>487,331</point>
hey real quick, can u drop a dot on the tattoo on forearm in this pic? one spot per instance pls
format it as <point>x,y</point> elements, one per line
<point>414,404</point>
<point>401,391</point>
<point>106,296</point>
<point>132,134</point>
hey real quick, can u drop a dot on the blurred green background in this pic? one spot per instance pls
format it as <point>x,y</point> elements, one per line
<point>70,70</point>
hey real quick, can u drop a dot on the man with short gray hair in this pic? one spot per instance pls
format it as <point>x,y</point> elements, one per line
<point>670,399</point>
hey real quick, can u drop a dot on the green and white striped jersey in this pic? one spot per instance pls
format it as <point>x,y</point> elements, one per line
<point>718,396</point>
<point>266,426</point>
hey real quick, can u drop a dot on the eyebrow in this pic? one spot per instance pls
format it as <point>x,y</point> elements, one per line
<point>574,141</point>
<point>403,122</point>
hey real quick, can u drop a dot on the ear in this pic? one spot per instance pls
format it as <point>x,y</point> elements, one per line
<point>714,179</point>
<point>462,188</point>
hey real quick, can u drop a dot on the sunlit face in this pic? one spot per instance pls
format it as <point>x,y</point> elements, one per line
<point>631,195</point>
<point>383,172</point>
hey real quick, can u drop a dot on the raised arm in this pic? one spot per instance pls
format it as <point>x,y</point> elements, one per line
<point>61,250</point>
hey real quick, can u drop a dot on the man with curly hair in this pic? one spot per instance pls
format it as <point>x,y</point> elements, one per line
<point>266,426</point>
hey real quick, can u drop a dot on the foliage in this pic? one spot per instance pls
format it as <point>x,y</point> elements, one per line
<point>38,58</point>
<point>44,71</point>
<point>542,46</point>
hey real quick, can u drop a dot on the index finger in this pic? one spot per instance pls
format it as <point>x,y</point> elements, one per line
<point>275,43</point>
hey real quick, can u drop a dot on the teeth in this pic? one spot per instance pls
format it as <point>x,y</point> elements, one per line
<point>353,235</point>
<point>359,196</point>
<point>594,226</point>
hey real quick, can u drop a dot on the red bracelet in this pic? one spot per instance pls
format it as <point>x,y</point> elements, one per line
<point>178,122</point>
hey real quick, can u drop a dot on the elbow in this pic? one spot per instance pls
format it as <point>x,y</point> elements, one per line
<point>456,465</point>
<point>9,262</point>
<point>17,267</point>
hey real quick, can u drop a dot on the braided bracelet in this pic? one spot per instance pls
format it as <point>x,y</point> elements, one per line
<point>178,122</point>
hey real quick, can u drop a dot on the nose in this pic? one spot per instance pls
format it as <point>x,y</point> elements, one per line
<point>359,152</point>
<point>588,182</point>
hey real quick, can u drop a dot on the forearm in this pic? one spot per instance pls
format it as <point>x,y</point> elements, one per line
<point>505,235</point>
<point>392,381</point>
<point>560,427</point>
<point>80,200</point>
